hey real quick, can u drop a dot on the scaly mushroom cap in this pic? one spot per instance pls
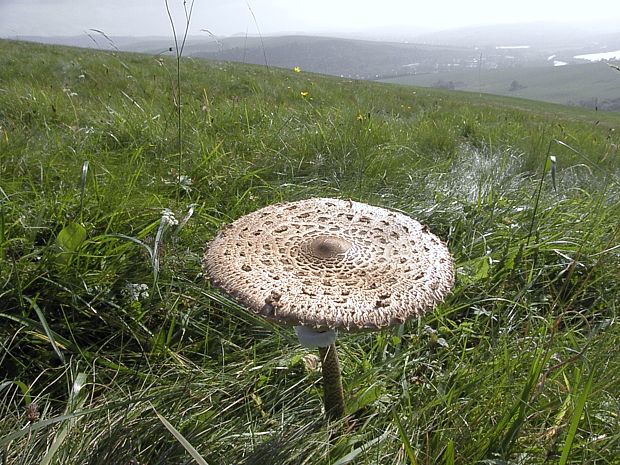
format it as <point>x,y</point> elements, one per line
<point>329,263</point>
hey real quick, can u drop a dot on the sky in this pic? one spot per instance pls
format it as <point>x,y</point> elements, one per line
<point>267,17</point>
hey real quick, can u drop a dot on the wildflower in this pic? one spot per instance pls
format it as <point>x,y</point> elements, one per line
<point>69,92</point>
<point>189,214</point>
<point>168,217</point>
<point>304,93</point>
<point>185,181</point>
<point>137,292</point>
<point>297,69</point>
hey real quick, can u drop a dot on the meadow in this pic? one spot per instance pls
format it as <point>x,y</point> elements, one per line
<point>588,85</point>
<point>115,350</point>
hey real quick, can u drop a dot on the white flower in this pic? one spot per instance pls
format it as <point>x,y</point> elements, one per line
<point>183,181</point>
<point>69,92</point>
<point>168,217</point>
<point>137,292</point>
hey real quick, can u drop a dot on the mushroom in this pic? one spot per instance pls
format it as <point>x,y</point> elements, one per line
<point>324,264</point>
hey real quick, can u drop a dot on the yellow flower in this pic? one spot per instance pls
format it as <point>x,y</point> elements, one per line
<point>304,93</point>
<point>297,69</point>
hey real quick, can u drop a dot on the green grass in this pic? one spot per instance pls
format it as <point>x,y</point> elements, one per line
<point>582,85</point>
<point>115,350</point>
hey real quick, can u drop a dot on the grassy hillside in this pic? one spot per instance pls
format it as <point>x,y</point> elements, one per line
<point>114,349</point>
<point>352,58</point>
<point>520,72</point>
<point>593,84</point>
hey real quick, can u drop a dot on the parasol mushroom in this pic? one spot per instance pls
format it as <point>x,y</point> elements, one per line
<point>324,264</point>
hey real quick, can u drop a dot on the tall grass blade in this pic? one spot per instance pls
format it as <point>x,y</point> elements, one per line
<point>110,41</point>
<point>48,332</point>
<point>156,247</point>
<point>355,453</point>
<point>75,403</point>
<point>450,453</point>
<point>546,167</point>
<point>42,424</point>
<point>22,387</point>
<point>260,35</point>
<point>83,188</point>
<point>553,166</point>
<point>184,221</point>
<point>405,440</point>
<point>179,437</point>
<point>36,325</point>
<point>2,237</point>
<point>179,53</point>
<point>135,241</point>
<point>590,163</point>
<point>507,429</point>
<point>579,406</point>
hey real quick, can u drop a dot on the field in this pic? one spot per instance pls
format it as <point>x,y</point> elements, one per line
<point>325,55</point>
<point>115,350</point>
<point>591,85</point>
<point>470,60</point>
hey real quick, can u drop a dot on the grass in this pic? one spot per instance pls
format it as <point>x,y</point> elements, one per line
<point>583,85</point>
<point>115,350</point>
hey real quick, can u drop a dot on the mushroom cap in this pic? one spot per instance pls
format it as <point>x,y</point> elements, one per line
<point>329,263</point>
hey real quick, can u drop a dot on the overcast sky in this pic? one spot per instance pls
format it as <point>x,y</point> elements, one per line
<point>226,17</point>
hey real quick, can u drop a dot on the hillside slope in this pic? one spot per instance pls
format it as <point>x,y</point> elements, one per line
<point>526,71</point>
<point>592,85</point>
<point>114,349</point>
<point>352,58</point>
<point>359,59</point>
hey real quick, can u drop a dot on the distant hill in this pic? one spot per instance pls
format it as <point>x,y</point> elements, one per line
<point>352,58</point>
<point>593,85</point>
<point>361,59</point>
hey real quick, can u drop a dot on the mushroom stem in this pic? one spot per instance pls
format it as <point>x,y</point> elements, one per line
<point>332,382</point>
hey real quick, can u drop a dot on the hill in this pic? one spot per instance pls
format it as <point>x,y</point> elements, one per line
<point>359,59</point>
<point>592,85</point>
<point>520,60</point>
<point>114,349</point>
<point>353,58</point>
